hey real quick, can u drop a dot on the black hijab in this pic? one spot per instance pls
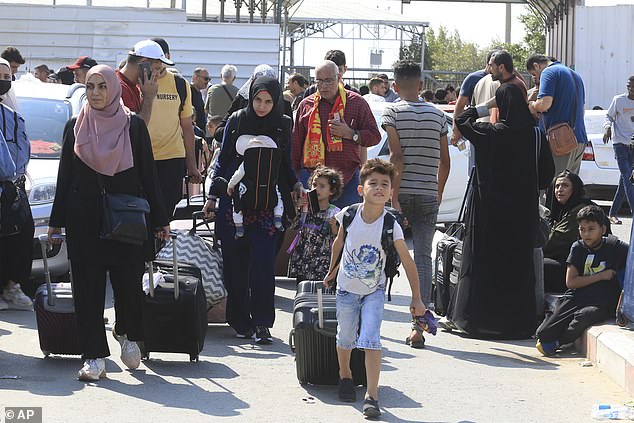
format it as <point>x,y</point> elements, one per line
<point>514,112</point>
<point>269,124</point>
<point>557,210</point>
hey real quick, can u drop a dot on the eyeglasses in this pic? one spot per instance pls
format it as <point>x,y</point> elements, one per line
<point>205,78</point>
<point>328,81</point>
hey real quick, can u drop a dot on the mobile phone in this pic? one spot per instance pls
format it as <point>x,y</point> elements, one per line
<point>313,201</point>
<point>145,67</point>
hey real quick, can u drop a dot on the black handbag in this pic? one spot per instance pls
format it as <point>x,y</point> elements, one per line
<point>123,217</point>
<point>14,208</point>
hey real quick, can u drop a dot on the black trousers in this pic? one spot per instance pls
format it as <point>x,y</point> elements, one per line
<point>171,173</point>
<point>89,284</point>
<point>569,320</point>
<point>554,275</point>
<point>16,257</point>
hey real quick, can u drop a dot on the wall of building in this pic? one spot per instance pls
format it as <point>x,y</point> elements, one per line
<point>604,51</point>
<point>57,35</point>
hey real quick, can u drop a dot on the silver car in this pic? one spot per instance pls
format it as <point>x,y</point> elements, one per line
<point>46,108</point>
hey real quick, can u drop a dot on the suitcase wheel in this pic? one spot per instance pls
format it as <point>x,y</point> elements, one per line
<point>193,358</point>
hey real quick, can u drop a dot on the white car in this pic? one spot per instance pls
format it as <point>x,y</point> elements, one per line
<point>458,176</point>
<point>599,169</point>
<point>46,108</point>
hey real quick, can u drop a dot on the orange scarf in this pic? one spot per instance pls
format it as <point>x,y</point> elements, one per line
<point>314,148</point>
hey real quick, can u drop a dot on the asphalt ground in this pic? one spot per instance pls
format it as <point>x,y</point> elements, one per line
<point>455,379</point>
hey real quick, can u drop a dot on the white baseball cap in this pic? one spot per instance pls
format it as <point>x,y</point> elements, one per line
<point>150,50</point>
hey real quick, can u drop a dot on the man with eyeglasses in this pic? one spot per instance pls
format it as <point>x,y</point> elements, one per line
<point>200,79</point>
<point>340,123</point>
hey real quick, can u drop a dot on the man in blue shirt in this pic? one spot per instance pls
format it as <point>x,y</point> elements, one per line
<point>560,90</point>
<point>466,94</point>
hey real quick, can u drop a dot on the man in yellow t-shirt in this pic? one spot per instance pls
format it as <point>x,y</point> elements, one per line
<point>172,133</point>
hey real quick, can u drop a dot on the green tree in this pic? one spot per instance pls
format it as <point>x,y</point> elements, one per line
<point>534,32</point>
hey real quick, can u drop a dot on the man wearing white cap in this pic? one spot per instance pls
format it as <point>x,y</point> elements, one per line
<point>169,122</point>
<point>243,143</point>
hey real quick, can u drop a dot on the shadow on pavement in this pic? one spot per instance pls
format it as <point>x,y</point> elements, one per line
<point>522,361</point>
<point>23,318</point>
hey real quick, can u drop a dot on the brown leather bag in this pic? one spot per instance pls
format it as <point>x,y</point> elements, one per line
<point>562,139</point>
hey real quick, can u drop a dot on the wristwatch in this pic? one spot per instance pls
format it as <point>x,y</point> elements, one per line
<point>355,136</point>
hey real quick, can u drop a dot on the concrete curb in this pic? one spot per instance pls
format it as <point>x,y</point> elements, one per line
<point>611,350</point>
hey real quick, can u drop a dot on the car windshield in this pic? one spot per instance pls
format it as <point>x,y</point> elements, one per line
<point>45,120</point>
<point>594,123</point>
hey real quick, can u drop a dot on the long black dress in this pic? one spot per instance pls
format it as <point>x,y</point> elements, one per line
<point>496,291</point>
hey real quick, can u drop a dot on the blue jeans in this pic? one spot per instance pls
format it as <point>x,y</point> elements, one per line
<point>421,212</point>
<point>349,195</point>
<point>625,159</point>
<point>351,307</point>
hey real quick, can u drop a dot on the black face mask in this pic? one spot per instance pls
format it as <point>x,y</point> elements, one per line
<point>5,86</point>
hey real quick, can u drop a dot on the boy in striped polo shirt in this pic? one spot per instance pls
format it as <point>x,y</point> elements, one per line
<point>419,150</point>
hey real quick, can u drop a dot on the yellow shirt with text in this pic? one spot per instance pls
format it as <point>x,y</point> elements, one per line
<point>164,126</point>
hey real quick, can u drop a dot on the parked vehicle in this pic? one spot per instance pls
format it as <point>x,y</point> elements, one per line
<point>46,108</point>
<point>599,169</point>
<point>458,176</point>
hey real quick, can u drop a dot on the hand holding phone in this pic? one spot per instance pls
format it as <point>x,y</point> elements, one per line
<point>313,201</point>
<point>145,69</point>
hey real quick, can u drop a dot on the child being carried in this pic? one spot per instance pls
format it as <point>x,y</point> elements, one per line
<point>244,143</point>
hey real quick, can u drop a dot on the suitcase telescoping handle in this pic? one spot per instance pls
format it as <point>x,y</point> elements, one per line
<point>173,236</point>
<point>320,303</point>
<point>47,273</point>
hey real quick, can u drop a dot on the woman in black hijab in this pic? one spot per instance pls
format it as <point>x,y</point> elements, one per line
<point>495,297</point>
<point>564,199</point>
<point>248,262</point>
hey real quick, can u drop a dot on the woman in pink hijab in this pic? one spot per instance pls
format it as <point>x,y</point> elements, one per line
<point>105,139</point>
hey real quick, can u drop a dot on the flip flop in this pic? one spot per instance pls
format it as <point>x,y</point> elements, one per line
<point>419,345</point>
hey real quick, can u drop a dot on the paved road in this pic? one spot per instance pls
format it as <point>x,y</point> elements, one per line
<point>455,379</point>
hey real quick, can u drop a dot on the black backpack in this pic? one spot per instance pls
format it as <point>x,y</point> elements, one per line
<point>181,89</point>
<point>392,259</point>
<point>261,168</point>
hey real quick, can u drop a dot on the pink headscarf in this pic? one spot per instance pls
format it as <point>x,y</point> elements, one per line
<point>102,137</point>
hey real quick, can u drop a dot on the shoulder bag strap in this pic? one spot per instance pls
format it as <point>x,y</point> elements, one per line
<point>574,110</point>
<point>224,87</point>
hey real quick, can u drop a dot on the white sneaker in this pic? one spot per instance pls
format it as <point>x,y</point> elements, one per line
<point>3,304</point>
<point>130,352</point>
<point>16,298</point>
<point>93,370</point>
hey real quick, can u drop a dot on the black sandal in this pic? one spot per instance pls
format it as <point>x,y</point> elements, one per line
<point>420,344</point>
<point>371,407</point>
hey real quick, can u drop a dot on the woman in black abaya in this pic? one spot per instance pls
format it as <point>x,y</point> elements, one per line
<point>496,291</point>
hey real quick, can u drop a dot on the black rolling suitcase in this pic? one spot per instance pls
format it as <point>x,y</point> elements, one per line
<point>175,316</point>
<point>55,313</point>
<point>444,266</point>
<point>313,337</point>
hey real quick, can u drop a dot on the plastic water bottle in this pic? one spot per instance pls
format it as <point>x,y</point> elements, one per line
<point>612,412</point>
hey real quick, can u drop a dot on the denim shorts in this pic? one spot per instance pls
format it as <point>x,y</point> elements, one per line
<point>351,307</point>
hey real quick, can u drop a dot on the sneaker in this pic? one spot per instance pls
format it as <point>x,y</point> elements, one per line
<point>239,231</point>
<point>3,304</point>
<point>16,298</point>
<point>93,370</point>
<point>130,352</point>
<point>263,335</point>
<point>346,390</point>
<point>248,335</point>
<point>371,407</point>
<point>547,348</point>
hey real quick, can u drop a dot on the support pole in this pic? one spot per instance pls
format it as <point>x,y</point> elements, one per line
<point>222,10</point>
<point>203,16</point>
<point>507,35</point>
